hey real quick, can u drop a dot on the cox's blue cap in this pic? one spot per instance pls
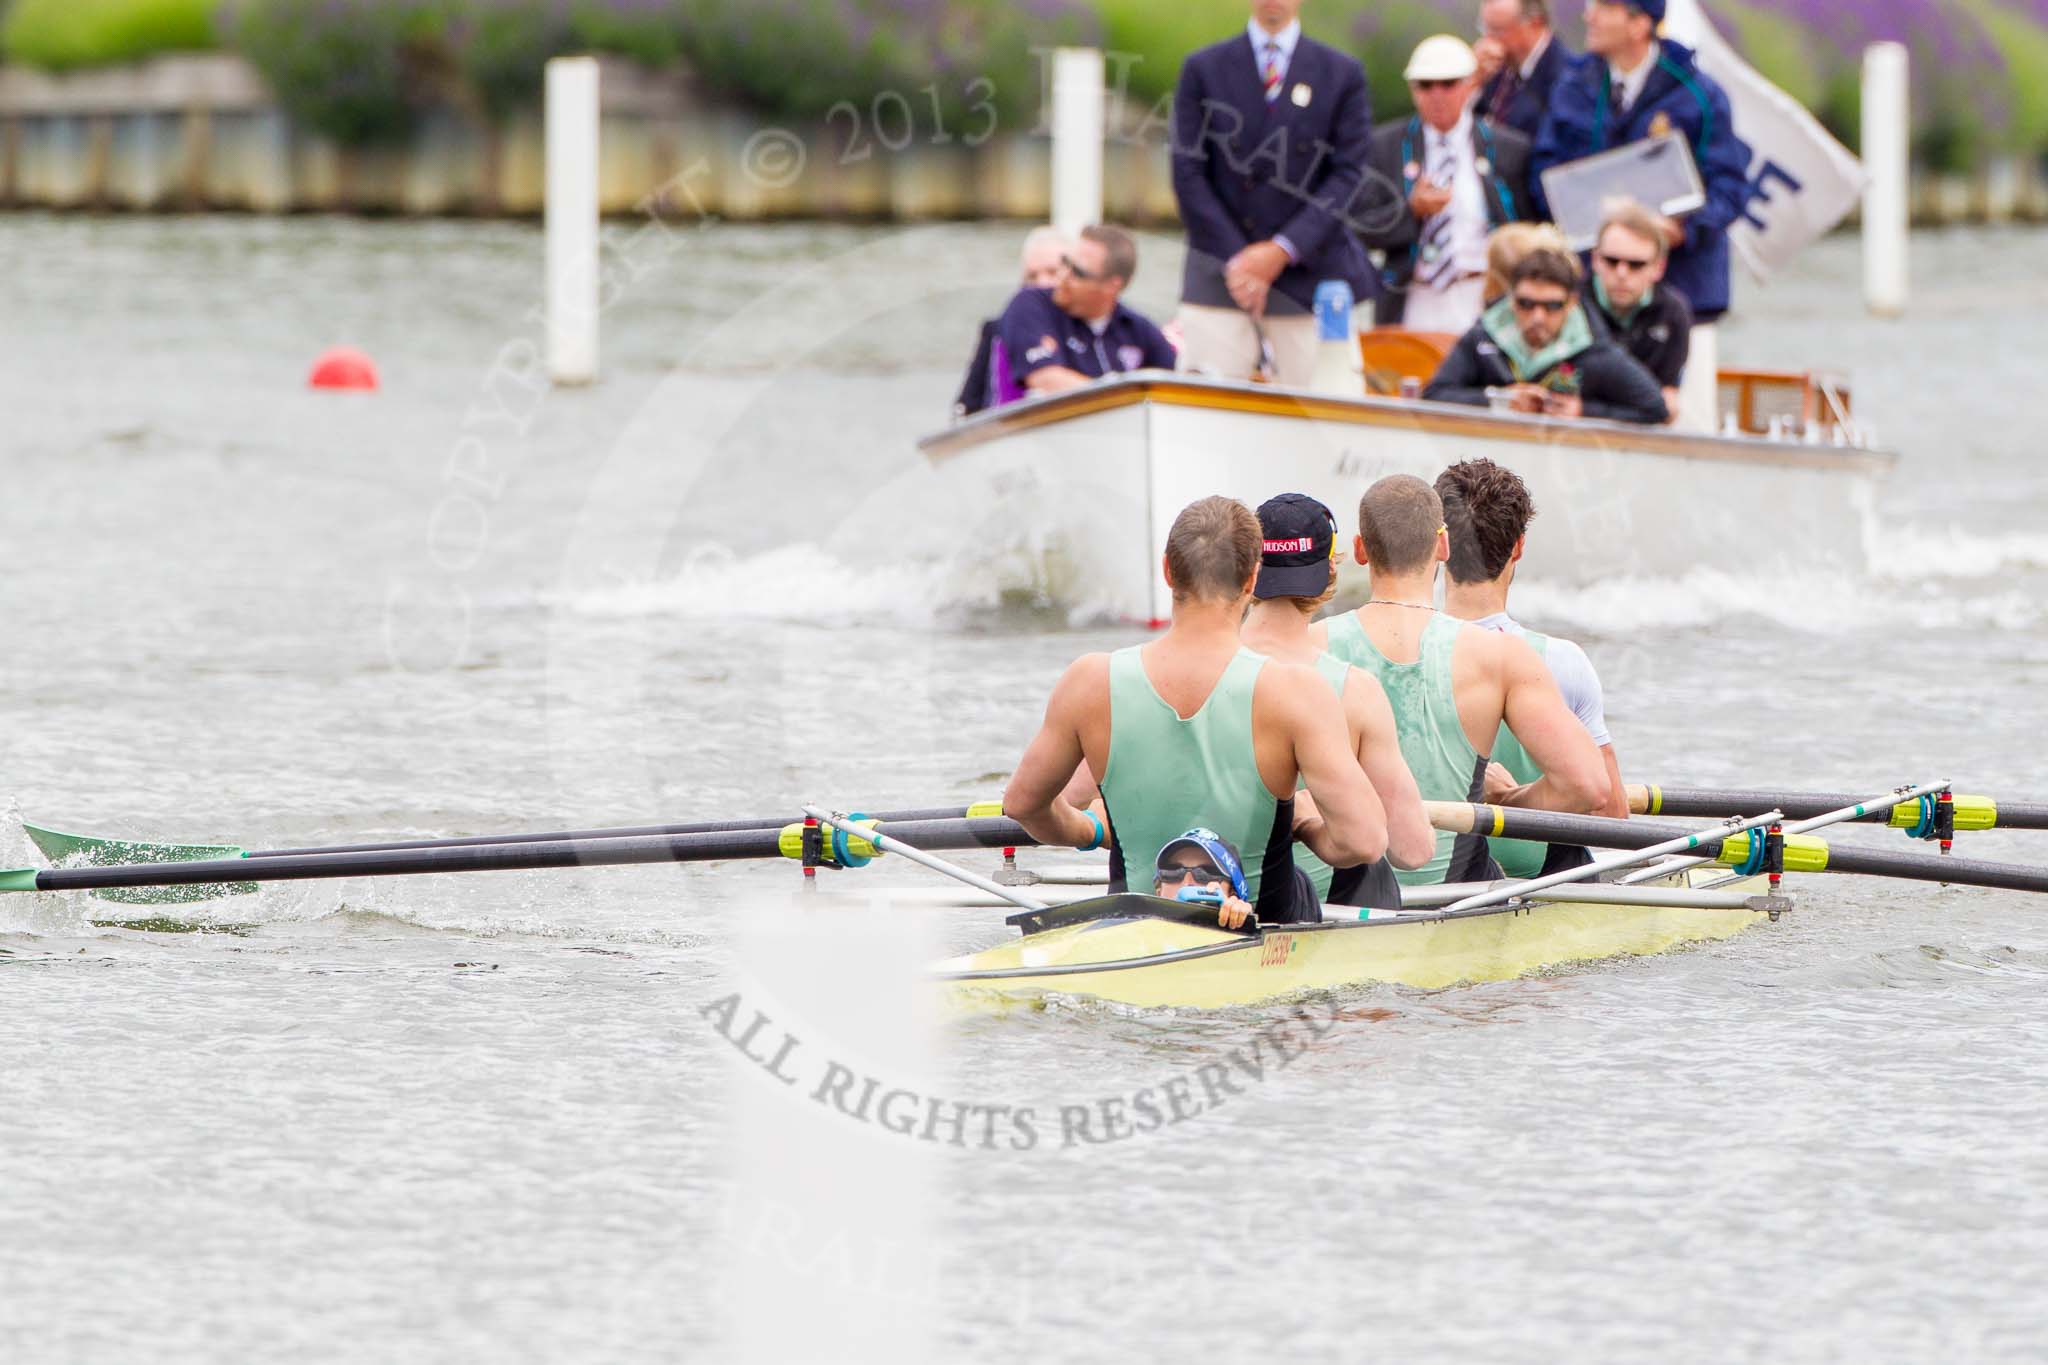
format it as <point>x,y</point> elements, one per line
<point>1653,8</point>
<point>1219,852</point>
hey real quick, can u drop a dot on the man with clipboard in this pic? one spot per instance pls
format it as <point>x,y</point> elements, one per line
<point>1628,86</point>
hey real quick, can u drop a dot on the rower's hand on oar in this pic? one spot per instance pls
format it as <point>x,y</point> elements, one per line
<point>1499,785</point>
<point>1526,397</point>
<point>1233,913</point>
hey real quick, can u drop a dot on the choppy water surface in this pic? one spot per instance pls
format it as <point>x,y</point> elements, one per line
<point>489,1118</point>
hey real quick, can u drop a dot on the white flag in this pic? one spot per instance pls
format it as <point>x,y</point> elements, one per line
<point>1803,181</point>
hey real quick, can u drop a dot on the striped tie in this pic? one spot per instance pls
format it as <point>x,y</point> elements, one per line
<point>1436,258</point>
<point>1272,72</point>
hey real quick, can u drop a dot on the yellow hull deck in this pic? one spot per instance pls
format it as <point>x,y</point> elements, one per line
<point>1159,962</point>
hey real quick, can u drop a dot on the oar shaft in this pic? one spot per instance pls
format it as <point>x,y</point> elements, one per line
<point>1933,867</point>
<point>1716,802</point>
<point>609,852</point>
<point>1597,832</point>
<point>621,832</point>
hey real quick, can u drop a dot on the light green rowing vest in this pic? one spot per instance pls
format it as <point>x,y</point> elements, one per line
<point>1334,671</point>
<point>1425,720</point>
<point>1519,857</point>
<point>1167,775</point>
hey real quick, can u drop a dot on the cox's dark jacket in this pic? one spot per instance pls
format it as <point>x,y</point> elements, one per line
<point>1525,109</point>
<point>1245,171</point>
<point>1610,384</point>
<point>1392,227</point>
<point>1678,96</point>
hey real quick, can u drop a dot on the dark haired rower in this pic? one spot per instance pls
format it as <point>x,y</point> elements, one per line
<point>1193,729</point>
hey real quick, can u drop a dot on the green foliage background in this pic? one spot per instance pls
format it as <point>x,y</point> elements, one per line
<point>361,70</point>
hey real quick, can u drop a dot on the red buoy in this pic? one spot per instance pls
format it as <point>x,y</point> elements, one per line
<point>343,367</point>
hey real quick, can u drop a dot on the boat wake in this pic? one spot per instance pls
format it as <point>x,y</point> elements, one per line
<point>1919,578</point>
<point>797,583</point>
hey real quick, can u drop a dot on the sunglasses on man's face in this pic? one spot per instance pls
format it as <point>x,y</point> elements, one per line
<point>1201,873</point>
<point>1435,85</point>
<point>1626,262</point>
<point>1080,272</point>
<point>1525,304</point>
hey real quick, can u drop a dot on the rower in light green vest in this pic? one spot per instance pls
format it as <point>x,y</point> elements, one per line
<point>1433,740</point>
<point>1206,760</point>
<point>1297,577</point>
<point>1487,510</point>
<point>1195,730</point>
<point>1448,683</point>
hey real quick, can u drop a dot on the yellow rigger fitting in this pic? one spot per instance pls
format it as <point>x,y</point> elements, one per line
<point>790,842</point>
<point>1972,812</point>
<point>1803,852</point>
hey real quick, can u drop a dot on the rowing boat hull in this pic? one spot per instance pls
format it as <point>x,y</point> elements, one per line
<point>1156,962</point>
<point>1069,497</point>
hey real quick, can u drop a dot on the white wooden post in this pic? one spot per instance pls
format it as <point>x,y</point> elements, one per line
<point>1885,161</point>
<point>1078,101</point>
<point>571,219</point>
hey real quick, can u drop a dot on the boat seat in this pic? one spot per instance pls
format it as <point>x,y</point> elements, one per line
<point>1392,354</point>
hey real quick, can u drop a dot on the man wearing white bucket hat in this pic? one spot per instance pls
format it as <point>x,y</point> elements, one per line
<point>1460,177</point>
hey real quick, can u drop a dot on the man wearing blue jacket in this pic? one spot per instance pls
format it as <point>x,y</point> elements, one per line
<point>1628,85</point>
<point>1271,131</point>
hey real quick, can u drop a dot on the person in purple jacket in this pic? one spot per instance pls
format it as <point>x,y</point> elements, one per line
<point>1271,133</point>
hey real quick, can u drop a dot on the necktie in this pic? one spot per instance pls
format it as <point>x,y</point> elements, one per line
<point>1272,72</point>
<point>1436,259</point>
<point>1504,92</point>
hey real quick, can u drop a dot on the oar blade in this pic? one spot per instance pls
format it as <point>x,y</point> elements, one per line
<point>85,850</point>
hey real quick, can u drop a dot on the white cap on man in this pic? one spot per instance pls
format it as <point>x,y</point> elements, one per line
<point>1441,57</point>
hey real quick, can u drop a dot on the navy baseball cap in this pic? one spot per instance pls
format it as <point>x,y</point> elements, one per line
<point>1301,540</point>
<point>1653,8</point>
<point>1216,848</point>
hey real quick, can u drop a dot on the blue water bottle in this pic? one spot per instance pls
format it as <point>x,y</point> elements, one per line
<point>1339,369</point>
<point>1333,311</point>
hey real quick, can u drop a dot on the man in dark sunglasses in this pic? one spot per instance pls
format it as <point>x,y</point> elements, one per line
<point>1538,352</point>
<point>1649,319</point>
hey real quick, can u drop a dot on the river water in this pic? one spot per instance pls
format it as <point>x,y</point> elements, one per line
<point>496,1117</point>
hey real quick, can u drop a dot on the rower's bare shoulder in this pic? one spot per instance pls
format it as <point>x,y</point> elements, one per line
<point>1494,650</point>
<point>1364,698</point>
<point>1285,688</point>
<point>1085,680</point>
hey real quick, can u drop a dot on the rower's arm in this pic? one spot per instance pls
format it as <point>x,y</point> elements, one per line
<point>1349,825</point>
<point>1411,842</point>
<point>1035,797</point>
<point>1616,807</point>
<point>1575,777</point>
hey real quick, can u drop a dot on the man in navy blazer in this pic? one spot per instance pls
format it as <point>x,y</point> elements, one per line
<point>1519,61</point>
<point>1271,133</point>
